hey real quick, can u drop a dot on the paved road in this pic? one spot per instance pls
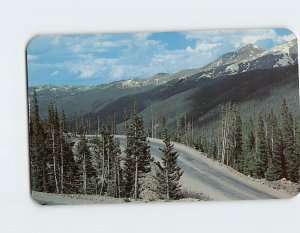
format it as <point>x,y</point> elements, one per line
<point>201,174</point>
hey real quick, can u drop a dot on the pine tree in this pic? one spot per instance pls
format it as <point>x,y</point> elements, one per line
<point>115,185</point>
<point>189,135</point>
<point>226,133</point>
<point>238,141</point>
<point>168,173</point>
<point>231,136</point>
<point>249,149</point>
<point>53,145</point>
<point>177,133</point>
<point>138,159</point>
<point>290,158</point>
<point>106,162</point>
<point>275,149</point>
<point>64,150</point>
<point>107,143</point>
<point>110,149</point>
<point>212,149</point>
<point>261,153</point>
<point>70,171</point>
<point>38,150</point>
<point>82,157</point>
<point>251,136</point>
<point>97,160</point>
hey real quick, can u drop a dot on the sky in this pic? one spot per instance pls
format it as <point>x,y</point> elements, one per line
<point>91,59</point>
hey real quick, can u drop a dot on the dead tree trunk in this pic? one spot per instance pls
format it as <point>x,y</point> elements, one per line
<point>103,165</point>
<point>61,169</point>
<point>98,126</point>
<point>84,174</point>
<point>167,183</point>
<point>136,179</point>
<point>152,124</point>
<point>118,177</point>
<point>108,162</point>
<point>54,162</point>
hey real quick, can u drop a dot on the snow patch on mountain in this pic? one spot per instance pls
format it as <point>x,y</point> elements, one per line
<point>233,67</point>
<point>283,60</point>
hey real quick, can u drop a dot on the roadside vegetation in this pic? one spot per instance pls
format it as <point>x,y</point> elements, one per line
<point>70,163</point>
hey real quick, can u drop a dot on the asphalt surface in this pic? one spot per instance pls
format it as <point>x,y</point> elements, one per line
<point>201,174</point>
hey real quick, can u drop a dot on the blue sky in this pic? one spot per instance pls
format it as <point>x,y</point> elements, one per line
<point>102,58</point>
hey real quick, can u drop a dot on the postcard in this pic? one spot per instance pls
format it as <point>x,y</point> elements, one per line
<point>163,116</point>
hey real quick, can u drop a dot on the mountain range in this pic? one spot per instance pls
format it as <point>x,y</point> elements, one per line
<point>248,74</point>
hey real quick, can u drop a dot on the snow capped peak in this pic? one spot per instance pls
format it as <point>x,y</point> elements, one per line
<point>251,57</point>
<point>289,46</point>
<point>250,50</point>
<point>251,46</point>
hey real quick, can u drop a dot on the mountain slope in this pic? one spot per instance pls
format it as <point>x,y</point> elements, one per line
<point>250,57</point>
<point>164,91</point>
<point>247,52</point>
<point>197,97</point>
<point>81,100</point>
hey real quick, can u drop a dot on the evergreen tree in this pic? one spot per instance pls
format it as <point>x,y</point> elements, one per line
<point>53,134</point>
<point>249,149</point>
<point>97,160</point>
<point>115,181</point>
<point>231,136</point>
<point>138,158</point>
<point>38,150</point>
<point>226,133</point>
<point>177,133</point>
<point>168,173</point>
<point>106,154</point>
<point>290,158</point>
<point>261,153</point>
<point>82,157</point>
<point>238,141</point>
<point>275,149</point>
<point>106,149</point>
<point>251,136</point>
<point>189,135</point>
<point>64,151</point>
<point>70,171</point>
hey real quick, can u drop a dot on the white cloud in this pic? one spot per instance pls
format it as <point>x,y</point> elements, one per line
<point>92,46</point>
<point>256,35</point>
<point>89,67</point>
<point>205,46</point>
<point>235,38</point>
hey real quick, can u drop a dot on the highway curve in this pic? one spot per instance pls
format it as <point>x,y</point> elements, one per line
<point>217,181</point>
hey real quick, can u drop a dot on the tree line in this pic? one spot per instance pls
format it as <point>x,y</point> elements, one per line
<point>265,147</point>
<point>63,163</point>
